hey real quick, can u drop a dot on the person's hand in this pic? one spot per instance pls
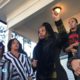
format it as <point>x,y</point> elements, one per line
<point>34,63</point>
<point>29,78</point>
<point>75,44</point>
<point>76,65</point>
<point>55,15</point>
<point>71,48</point>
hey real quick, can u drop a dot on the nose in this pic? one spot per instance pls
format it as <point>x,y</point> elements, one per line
<point>40,33</point>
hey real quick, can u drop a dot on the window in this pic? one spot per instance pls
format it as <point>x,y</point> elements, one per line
<point>28,47</point>
<point>3,33</point>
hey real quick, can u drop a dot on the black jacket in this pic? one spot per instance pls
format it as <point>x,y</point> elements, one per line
<point>47,52</point>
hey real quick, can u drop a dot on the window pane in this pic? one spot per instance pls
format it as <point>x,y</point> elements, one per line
<point>4,34</point>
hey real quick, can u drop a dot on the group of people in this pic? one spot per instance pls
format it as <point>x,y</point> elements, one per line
<point>72,43</point>
<point>15,64</point>
<point>47,51</point>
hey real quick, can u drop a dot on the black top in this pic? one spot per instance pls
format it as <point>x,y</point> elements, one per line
<point>47,53</point>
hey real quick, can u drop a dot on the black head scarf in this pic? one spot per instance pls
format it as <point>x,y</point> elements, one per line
<point>48,28</point>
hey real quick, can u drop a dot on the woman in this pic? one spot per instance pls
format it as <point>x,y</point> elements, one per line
<point>5,65</point>
<point>22,69</point>
<point>46,55</point>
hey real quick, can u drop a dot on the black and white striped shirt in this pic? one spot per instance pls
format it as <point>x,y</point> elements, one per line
<point>21,67</point>
<point>5,69</point>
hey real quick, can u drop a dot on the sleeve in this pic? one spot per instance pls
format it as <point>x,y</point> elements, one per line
<point>35,55</point>
<point>60,26</point>
<point>62,33</point>
<point>65,44</point>
<point>29,69</point>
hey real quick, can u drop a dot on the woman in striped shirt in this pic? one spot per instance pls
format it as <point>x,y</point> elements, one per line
<point>5,65</point>
<point>21,64</point>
